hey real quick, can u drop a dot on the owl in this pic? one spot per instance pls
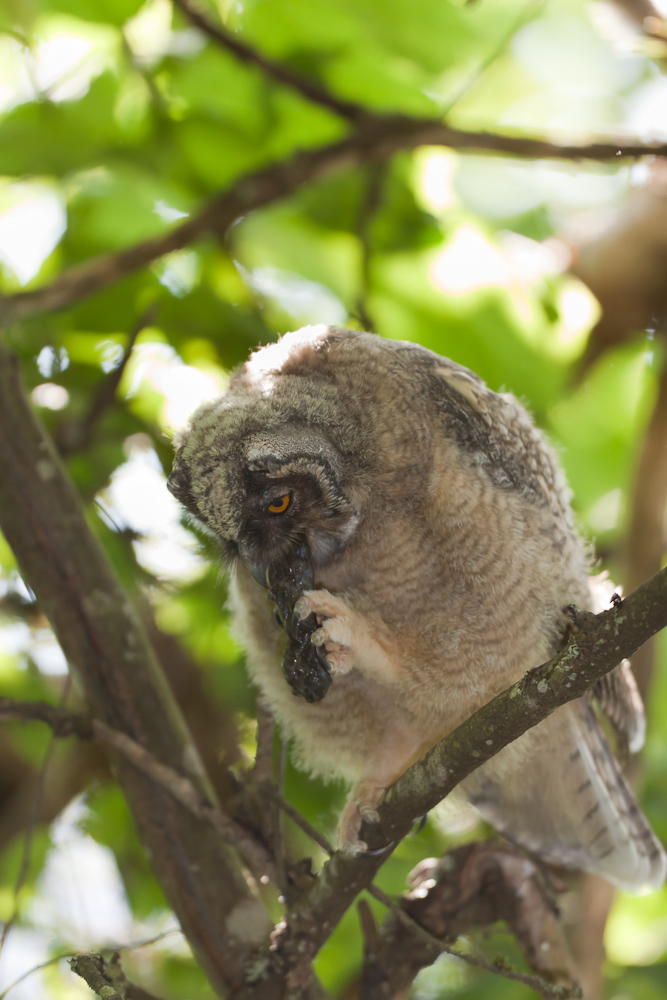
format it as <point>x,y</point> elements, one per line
<point>401,549</point>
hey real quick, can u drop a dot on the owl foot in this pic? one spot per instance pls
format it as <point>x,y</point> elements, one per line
<point>338,623</point>
<point>348,638</point>
<point>361,806</point>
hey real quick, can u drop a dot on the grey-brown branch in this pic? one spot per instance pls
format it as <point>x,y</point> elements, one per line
<point>90,968</point>
<point>106,977</point>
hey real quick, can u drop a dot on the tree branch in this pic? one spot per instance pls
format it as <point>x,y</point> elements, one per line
<point>90,968</point>
<point>66,724</point>
<point>473,886</point>
<point>106,978</point>
<point>407,944</point>
<point>281,72</point>
<point>416,935</point>
<point>71,435</point>
<point>43,521</point>
<point>647,540</point>
<point>379,138</point>
<point>599,643</point>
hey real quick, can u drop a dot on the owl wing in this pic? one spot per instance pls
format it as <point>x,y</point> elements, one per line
<point>559,792</point>
<point>492,429</point>
<point>618,697</point>
<point>616,694</point>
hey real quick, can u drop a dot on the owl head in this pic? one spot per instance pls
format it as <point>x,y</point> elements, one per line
<point>267,467</point>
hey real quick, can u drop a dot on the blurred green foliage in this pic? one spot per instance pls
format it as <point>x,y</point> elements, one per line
<point>117,119</point>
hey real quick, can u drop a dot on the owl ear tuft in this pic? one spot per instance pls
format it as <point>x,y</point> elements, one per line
<point>179,485</point>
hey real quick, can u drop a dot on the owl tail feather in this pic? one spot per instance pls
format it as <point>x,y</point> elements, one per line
<point>559,792</point>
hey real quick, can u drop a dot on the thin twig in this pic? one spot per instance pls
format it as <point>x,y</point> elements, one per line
<point>73,437</point>
<point>88,967</point>
<point>72,954</point>
<point>537,983</point>
<point>369,206</point>
<point>379,138</point>
<point>302,822</point>
<point>518,22</point>
<point>26,855</point>
<point>181,788</point>
<point>310,89</point>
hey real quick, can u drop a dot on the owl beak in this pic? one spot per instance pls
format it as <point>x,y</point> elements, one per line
<point>259,573</point>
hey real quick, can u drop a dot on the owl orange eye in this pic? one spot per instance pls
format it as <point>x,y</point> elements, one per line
<point>279,506</point>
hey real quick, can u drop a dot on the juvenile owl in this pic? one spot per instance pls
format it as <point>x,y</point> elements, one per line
<point>401,550</point>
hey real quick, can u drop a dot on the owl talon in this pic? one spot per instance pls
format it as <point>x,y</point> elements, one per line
<point>379,850</point>
<point>421,824</point>
<point>322,658</point>
<point>370,816</point>
<point>302,609</point>
<point>355,847</point>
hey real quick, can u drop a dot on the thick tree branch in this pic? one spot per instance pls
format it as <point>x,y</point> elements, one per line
<point>281,72</point>
<point>42,519</point>
<point>379,138</point>
<point>599,643</point>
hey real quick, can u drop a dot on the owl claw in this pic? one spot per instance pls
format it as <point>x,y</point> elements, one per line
<point>360,808</point>
<point>378,850</point>
<point>322,658</point>
<point>370,816</point>
<point>302,608</point>
<point>355,847</point>
<point>421,824</point>
<point>301,626</point>
<point>334,656</point>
